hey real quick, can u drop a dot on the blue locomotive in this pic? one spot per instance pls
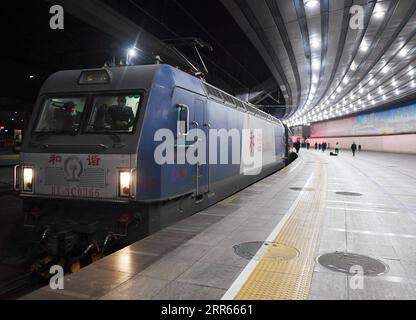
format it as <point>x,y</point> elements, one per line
<point>120,152</point>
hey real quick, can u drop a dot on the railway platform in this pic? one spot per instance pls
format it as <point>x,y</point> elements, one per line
<point>341,228</point>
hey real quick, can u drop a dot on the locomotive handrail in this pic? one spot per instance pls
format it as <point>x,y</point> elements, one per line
<point>209,165</point>
<point>15,178</point>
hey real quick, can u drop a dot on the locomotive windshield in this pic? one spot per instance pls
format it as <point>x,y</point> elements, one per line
<point>108,113</point>
<point>61,115</point>
<point>114,113</point>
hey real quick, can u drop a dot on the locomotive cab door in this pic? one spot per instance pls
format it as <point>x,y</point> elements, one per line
<point>202,148</point>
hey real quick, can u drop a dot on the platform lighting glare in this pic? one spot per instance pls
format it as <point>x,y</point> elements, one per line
<point>411,72</point>
<point>353,66</point>
<point>394,83</point>
<point>361,90</point>
<point>339,89</point>
<point>397,92</point>
<point>413,84</point>
<point>31,76</point>
<point>311,3</point>
<point>345,81</point>
<point>385,69</point>
<point>372,82</point>
<point>384,98</point>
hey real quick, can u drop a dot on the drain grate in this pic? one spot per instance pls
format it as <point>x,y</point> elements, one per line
<point>350,194</point>
<point>276,251</point>
<point>300,189</point>
<point>344,262</point>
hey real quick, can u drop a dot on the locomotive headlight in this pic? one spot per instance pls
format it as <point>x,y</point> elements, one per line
<point>27,179</point>
<point>125,184</point>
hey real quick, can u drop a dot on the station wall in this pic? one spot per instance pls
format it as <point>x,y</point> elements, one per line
<point>392,130</point>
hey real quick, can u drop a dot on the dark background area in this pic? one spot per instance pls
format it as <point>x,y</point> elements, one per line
<point>31,48</point>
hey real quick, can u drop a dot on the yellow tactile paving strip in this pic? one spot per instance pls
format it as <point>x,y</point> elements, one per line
<point>291,280</point>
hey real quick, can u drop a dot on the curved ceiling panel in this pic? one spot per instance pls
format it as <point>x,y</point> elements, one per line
<point>325,68</point>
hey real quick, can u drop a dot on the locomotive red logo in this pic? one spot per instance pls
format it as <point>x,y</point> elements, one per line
<point>252,142</point>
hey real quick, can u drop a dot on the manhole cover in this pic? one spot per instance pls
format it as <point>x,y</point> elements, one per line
<point>276,251</point>
<point>348,262</point>
<point>350,194</point>
<point>304,189</point>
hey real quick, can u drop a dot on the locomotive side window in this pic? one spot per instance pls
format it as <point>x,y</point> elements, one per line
<point>60,115</point>
<point>116,113</point>
<point>183,120</point>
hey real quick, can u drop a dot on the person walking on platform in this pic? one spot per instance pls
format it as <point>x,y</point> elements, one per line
<point>324,146</point>
<point>316,145</point>
<point>353,148</point>
<point>337,148</point>
<point>296,145</point>
<point>319,146</point>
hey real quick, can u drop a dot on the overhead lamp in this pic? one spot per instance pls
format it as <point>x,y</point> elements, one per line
<point>413,84</point>
<point>397,92</point>
<point>132,52</point>
<point>379,14</point>
<point>403,53</point>
<point>411,72</point>
<point>385,69</point>
<point>353,66</point>
<point>364,46</point>
<point>372,82</point>
<point>339,89</point>
<point>311,3</point>
<point>361,90</point>
<point>315,44</point>
<point>384,97</point>
<point>345,81</point>
<point>316,66</point>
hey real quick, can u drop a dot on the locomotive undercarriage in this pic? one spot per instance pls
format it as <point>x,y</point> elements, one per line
<point>75,233</point>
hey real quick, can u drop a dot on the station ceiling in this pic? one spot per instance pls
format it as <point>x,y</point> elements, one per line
<point>302,54</point>
<point>329,60</point>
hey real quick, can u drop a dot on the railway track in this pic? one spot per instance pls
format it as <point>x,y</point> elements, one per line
<point>19,286</point>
